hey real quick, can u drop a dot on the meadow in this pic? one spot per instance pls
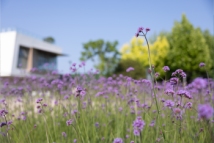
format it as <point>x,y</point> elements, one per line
<point>89,108</point>
<point>116,109</point>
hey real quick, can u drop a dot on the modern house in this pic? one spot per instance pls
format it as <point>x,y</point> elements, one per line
<point>20,53</point>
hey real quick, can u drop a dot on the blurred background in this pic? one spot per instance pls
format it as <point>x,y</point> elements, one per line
<point>102,33</point>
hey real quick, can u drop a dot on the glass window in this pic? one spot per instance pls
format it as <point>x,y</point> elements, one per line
<point>23,57</point>
<point>44,60</point>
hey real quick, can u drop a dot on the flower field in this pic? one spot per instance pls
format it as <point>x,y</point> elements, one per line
<point>116,109</point>
<point>89,108</point>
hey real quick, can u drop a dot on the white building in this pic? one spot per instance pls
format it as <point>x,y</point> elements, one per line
<point>20,53</point>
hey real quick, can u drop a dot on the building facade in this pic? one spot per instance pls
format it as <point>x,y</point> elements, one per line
<point>20,53</point>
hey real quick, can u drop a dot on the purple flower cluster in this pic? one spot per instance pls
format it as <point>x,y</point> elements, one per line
<point>69,122</point>
<point>205,111</point>
<point>140,30</point>
<point>118,140</point>
<point>138,126</point>
<point>174,81</point>
<point>3,112</point>
<point>169,103</point>
<point>129,69</point>
<point>170,92</point>
<point>166,68</point>
<point>80,91</point>
<point>201,64</point>
<point>184,93</point>
<point>179,72</point>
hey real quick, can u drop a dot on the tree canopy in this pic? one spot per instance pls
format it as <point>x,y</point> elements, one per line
<point>106,54</point>
<point>135,54</point>
<point>188,48</point>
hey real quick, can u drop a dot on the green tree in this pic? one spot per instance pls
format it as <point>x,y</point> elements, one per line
<point>135,54</point>
<point>188,48</point>
<point>49,39</point>
<point>210,43</point>
<point>106,52</point>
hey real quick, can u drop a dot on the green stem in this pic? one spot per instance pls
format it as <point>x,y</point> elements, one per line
<point>150,65</point>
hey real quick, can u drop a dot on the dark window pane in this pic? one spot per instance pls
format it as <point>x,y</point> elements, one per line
<point>44,60</point>
<point>23,57</point>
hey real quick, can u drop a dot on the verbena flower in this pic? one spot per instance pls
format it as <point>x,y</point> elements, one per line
<point>64,134</point>
<point>3,124</point>
<point>174,81</point>
<point>188,105</point>
<point>205,111</point>
<point>170,92</point>
<point>184,93</point>
<point>201,64</point>
<point>3,112</point>
<point>166,68</point>
<point>129,69</point>
<point>39,100</point>
<point>147,29</point>
<point>69,122</point>
<point>178,113</point>
<point>138,126</point>
<point>152,123</point>
<point>169,103</point>
<point>96,124</point>
<point>118,140</point>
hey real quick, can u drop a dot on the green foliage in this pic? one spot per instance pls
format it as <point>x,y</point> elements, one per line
<point>210,43</point>
<point>49,40</point>
<point>188,48</point>
<point>135,54</point>
<point>139,72</point>
<point>106,52</point>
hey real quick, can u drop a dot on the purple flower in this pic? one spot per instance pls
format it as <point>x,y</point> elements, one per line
<point>138,125</point>
<point>147,29</point>
<point>166,68</point>
<point>3,112</point>
<point>152,123</point>
<point>64,134</point>
<point>140,29</point>
<point>3,124</point>
<point>157,74</point>
<point>174,81</point>
<point>75,140</point>
<point>39,100</point>
<point>184,93</point>
<point>96,124</point>
<point>201,64</point>
<point>40,111</point>
<point>136,132</point>
<point>183,74</point>
<point>137,34</point>
<point>169,103</point>
<point>83,63</point>
<point>170,92</point>
<point>188,105</point>
<point>199,83</point>
<point>74,64</point>
<point>9,122</point>
<point>118,140</point>
<point>205,111</point>
<point>129,69</point>
<point>69,122</point>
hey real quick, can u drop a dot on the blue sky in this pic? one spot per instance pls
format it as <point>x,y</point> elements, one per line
<point>73,22</point>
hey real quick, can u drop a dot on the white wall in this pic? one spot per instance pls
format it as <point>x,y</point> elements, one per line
<point>7,43</point>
